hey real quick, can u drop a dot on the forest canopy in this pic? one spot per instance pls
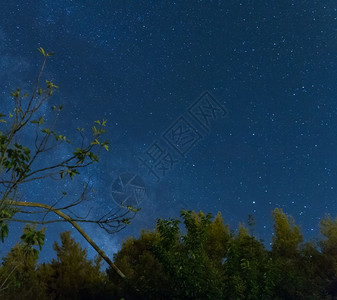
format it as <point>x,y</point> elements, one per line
<point>195,256</point>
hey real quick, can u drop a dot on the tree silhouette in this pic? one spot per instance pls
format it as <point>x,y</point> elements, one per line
<point>191,257</point>
<point>20,165</point>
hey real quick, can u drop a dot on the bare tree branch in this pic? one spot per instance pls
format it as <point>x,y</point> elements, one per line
<point>72,222</point>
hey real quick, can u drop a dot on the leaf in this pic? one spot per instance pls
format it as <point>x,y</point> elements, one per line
<point>95,142</point>
<point>133,209</point>
<point>46,130</point>
<point>32,237</point>
<point>93,156</point>
<point>16,93</point>
<point>106,147</point>
<point>126,221</point>
<point>41,50</point>
<point>5,214</point>
<point>4,232</point>
<point>72,172</point>
<point>94,131</point>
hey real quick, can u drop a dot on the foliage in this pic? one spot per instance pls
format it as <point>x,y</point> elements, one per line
<point>20,164</point>
<point>287,235</point>
<point>191,257</point>
<point>72,275</point>
<point>18,271</point>
<point>211,261</point>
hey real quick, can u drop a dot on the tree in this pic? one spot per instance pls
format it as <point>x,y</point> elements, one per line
<point>141,267</point>
<point>328,228</point>
<point>328,245</point>
<point>294,275</point>
<point>71,275</point>
<point>287,235</point>
<point>166,264</point>
<point>207,260</point>
<point>248,269</point>
<point>20,164</point>
<point>18,277</point>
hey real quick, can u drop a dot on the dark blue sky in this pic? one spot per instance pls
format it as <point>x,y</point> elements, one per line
<point>141,64</point>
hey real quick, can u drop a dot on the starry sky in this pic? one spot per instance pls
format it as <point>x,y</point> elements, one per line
<point>268,68</point>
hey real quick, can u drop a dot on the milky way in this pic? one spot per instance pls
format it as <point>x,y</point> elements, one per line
<point>270,65</point>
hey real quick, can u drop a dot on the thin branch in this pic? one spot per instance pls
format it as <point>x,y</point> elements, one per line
<point>9,275</point>
<point>79,229</point>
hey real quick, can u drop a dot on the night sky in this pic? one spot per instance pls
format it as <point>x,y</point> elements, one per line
<point>267,67</point>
